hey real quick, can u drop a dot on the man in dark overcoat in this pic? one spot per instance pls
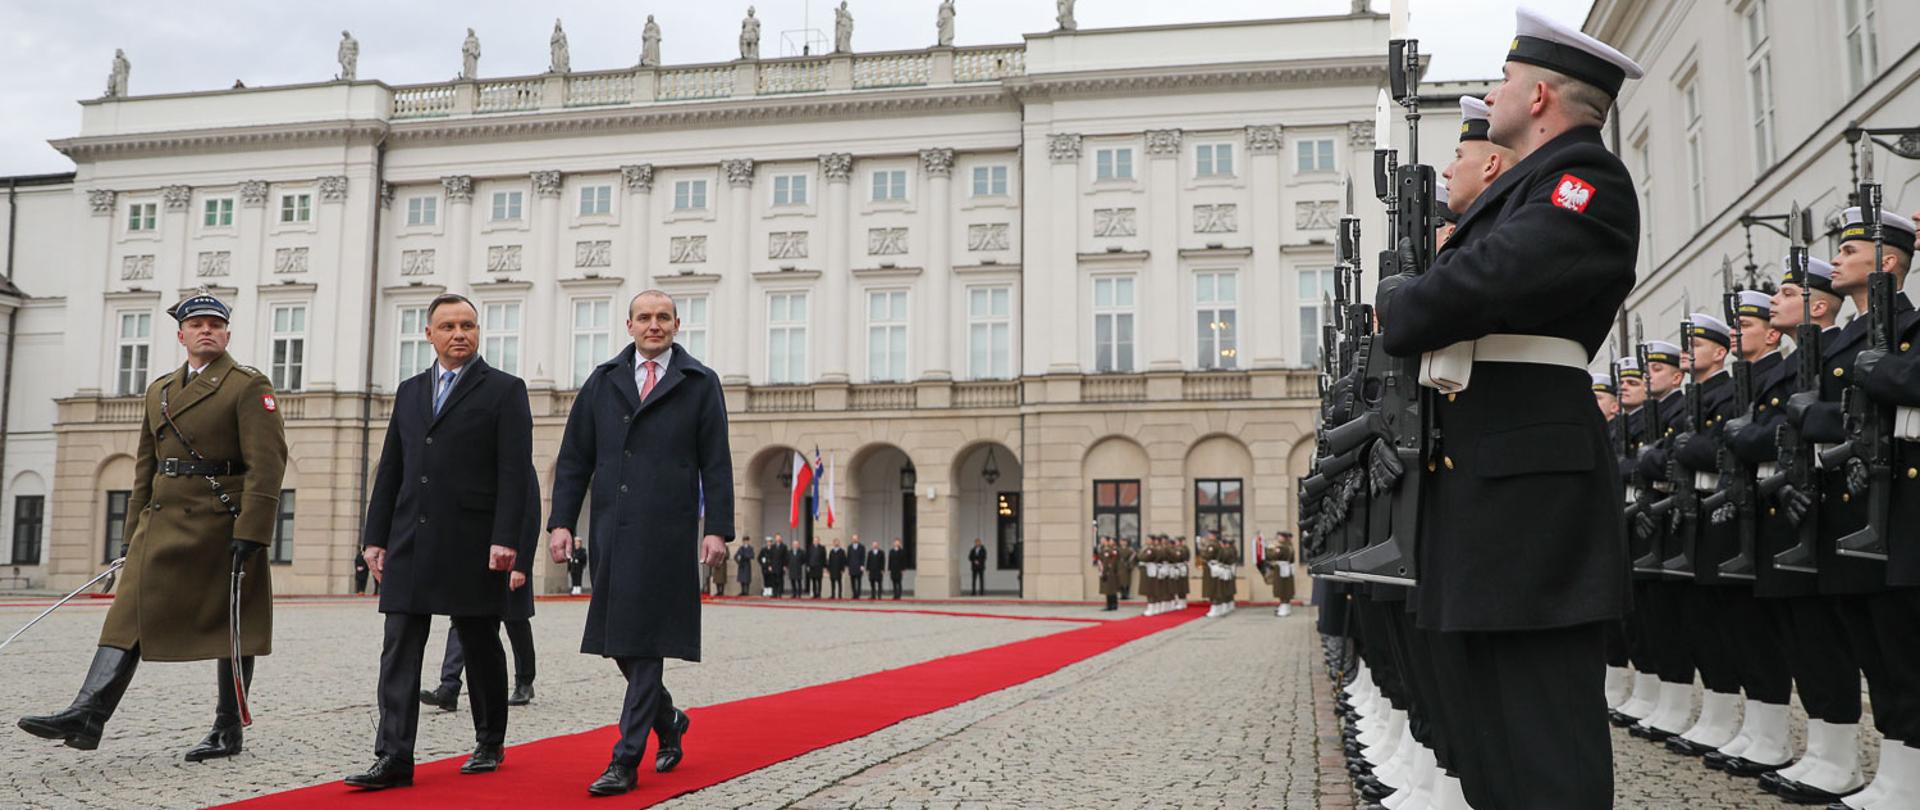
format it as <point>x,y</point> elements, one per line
<point>518,622</point>
<point>743,563</point>
<point>897,565</point>
<point>876,569</point>
<point>856,564</point>
<point>648,435</point>
<point>796,557</point>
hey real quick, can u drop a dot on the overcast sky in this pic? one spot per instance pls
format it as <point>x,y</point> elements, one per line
<point>55,53</point>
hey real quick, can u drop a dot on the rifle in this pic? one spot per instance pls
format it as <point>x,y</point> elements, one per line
<point>1736,478</point>
<point>1796,452</point>
<point>1684,502</point>
<point>1644,492</point>
<point>1870,423</point>
<point>1331,492</point>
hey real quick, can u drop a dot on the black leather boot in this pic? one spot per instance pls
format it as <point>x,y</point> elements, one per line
<point>79,726</point>
<point>669,754</point>
<point>225,738</point>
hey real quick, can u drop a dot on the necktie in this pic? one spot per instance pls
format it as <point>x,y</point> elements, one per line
<point>446,385</point>
<point>652,378</point>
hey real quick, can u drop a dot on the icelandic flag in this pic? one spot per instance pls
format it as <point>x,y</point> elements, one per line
<point>831,463</point>
<point>802,486</point>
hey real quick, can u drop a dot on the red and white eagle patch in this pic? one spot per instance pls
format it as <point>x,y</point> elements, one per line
<point>266,401</point>
<point>1572,193</point>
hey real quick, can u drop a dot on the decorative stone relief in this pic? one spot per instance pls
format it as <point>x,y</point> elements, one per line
<point>333,188</point>
<point>638,177</point>
<point>988,236</point>
<point>503,259</point>
<point>593,254</point>
<point>1163,142</point>
<point>937,162</point>
<point>290,260</point>
<point>546,184</point>
<point>687,249</point>
<point>1223,218</point>
<point>1317,215</point>
<point>836,166</point>
<point>886,241</point>
<point>1360,134</point>
<point>386,194</point>
<point>1263,139</point>
<point>739,172</point>
<point>1063,147</point>
<point>101,201</point>
<point>459,188</point>
<point>136,268</point>
<point>416,262</point>
<point>214,263</point>
<point>177,197</point>
<point>253,193</point>
<point>1113,222</point>
<point>787,245</point>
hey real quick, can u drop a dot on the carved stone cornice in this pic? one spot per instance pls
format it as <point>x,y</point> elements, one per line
<point>333,188</point>
<point>1359,134</point>
<point>1124,81</point>
<point>386,194</point>
<point>739,172</point>
<point>638,177</point>
<point>546,183</point>
<point>1063,147</point>
<point>101,200</point>
<point>459,188</point>
<point>837,167</point>
<point>1163,142</point>
<point>253,193</point>
<point>219,139</point>
<point>177,198</point>
<point>937,162</point>
<point>1264,139</point>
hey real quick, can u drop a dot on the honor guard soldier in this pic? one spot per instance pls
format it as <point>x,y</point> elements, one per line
<point>1657,597</point>
<point>1278,555</point>
<point>1107,559</point>
<point>1520,608</point>
<point>205,498</point>
<point>1644,689</point>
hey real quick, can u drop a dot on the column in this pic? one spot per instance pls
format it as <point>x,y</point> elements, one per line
<point>1158,304</point>
<point>1263,288</point>
<point>636,222</point>
<point>537,363</point>
<point>1060,261</point>
<point>173,270</point>
<point>252,265</point>
<point>836,170</point>
<point>89,368</point>
<point>936,340</point>
<point>738,266</point>
<point>459,252</point>
<point>328,363</point>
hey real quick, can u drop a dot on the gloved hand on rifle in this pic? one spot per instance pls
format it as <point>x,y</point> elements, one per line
<point>1643,525</point>
<point>1722,514</point>
<point>1737,424</point>
<point>1676,520</point>
<point>241,550</point>
<point>1798,405</point>
<point>1864,362</point>
<point>1385,467</point>
<point>1793,503</point>
<point>1858,482</point>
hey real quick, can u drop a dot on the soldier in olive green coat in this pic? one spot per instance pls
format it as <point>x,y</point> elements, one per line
<point>1107,559</point>
<point>1278,559</point>
<point>1226,555</point>
<point>1204,550</point>
<point>205,499</point>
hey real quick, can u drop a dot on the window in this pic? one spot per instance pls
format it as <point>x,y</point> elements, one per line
<point>1760,84</point>
<point>423,211</point>
<point>1213,160</point>
<point>282,551</point>
<point>1863,57</point>
<point>990,333</point>
<point>1216,297</point>
<point>693,324</point>
<point>1113,164</point>
<point>989,181</point>
<point>217,213</point>
<point>415,352</point>
<point>117,524</point>
<point>1643,172</point>
<point>140,217</point>
<point>296,208</point>
<point>689,195</point>
<point>29,513</point>
<point>787,338</point>
<point>790,189</point>
<point>887,335</point>
<point>500,335</point>
<point>592,336</point>
<point>506,206</point>
<point>289,347</point>
<point>1696,155</point>
<point>1217,508</point>
<point>1113,324</point>
<point>890,185</point>
<point>1116,510</point>
<point>596,200</point>
<point>1313,155</point>
<point>1315,288</point>
<point>136,332</point>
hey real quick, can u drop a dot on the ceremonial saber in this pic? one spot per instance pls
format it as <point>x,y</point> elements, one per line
<point>234,669</point>
<point>115,566</point>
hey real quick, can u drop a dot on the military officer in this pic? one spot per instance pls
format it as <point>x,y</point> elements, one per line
<point>1106,558</point>
<point>205,497</point>
<point>1182,572</point>
<point>1279,559</point>
<point>1204,550</point>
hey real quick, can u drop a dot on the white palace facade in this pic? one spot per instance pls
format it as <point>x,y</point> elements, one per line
<point>1014,292</point>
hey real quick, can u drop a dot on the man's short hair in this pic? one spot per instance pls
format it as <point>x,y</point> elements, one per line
<point>444,299</point>
<point>675,306</point>
<point>1584,102</point>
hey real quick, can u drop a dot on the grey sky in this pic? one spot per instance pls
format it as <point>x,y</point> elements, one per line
<point>55,53</point>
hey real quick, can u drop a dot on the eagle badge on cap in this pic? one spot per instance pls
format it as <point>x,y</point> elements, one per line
<point>1573,194</point>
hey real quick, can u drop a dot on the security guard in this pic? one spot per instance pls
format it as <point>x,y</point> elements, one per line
<point>206,491</point>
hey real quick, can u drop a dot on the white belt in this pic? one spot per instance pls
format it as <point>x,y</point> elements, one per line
<point>1906,423</point>
<point>1706,481</point>
<point>1450,369</point>
<point>1817,450</point>
<point>1765,470</point>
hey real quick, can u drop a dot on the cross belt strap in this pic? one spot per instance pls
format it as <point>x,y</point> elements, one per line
<point>1449,370</point>
<point>175,467</point>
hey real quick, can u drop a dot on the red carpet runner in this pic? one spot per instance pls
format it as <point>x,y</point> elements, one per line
<point>731,739</point>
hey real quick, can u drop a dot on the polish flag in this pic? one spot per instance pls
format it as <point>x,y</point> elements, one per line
<point>802,484</point>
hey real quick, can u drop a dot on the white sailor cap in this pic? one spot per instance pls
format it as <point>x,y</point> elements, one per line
<point>1629,368</point>
<point>1896,230</point>
<point>1707,327</point>
<point>1819,274</point>
<point>1473,118</point>
<point>1753,304</point>
<point>1603,382</point>
<point>1540,41</point>
<point>1660,351</point>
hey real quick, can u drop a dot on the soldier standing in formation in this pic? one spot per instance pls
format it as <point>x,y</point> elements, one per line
<point>1106,558</point>
<point>743,562</point>
<point>1277,557</point>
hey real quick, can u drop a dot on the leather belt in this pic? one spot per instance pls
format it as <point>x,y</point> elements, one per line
<point>176,467</point>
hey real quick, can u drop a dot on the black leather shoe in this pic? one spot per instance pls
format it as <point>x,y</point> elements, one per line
<point>1770,782</point>
<point>222,741</point>
<point>618,779</point>
<point>1800,793</point>
<point>80,725</point>
<point>485,759</point>
<point>522,695</point>
<point>1617,718</point>
<point>75,726</point>
<point>1373,789</point>
<point>1650,733</point>
<point>446,699</point>
<point>1741,766</point>
<point>1686,747</point>
<point>669,754</point>
<point>388,772</point>
<point>1715,760</point>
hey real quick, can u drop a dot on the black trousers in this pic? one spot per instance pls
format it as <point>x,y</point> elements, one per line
<point>1896,706</point>
<point>1535,733</point>
<point>853,578</point>
<point>813,580</point>
<point>1666,634</point>
<point>897,576</point>
<point>875,582</point>
<point>1707,635</point>
<point>519,637</point>
<point>838,581</point>
<point>980,584</point>
<point>647,706</point>
<point>1823,666</point>
<point>1752,628</point>
<point>1639,650</point>
<point>400,656</point>
<point>798,583</point>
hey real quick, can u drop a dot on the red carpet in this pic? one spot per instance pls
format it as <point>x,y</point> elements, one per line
<point>731,739</point>
<point>961,614</point>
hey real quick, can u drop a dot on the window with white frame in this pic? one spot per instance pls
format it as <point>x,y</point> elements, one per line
<point>1313,155</point>
<point>506,206</point>
<point>596,200</point>
<point>500,335</point>
<point>1643,173</point>
<point>790,189</point>
<point>1315,288</point>
<point>990,333</point>
<point>1863,51</point>
<point>296,208</point>
<point>133,346</point>
<point>416,354</point>
<point>289,335</point>
<point>1113,164</point>
<point>217,212</point>
<point>787,337</point>
<point>1113,323</point>
<point>890,185</point>
<point>1213,160</point>
<point>423,211</point>
<point>1216,299</point>
<point>887,335</point>
<point>990,181</point>
<point>141,216</point>
<point>1760,83</point>
<point>592,336</point>
<point>1696,151</point>
<point>689,195</point>
<point>693,324</point>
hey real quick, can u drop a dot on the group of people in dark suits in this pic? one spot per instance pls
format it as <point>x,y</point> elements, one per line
<point>794,570</point>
